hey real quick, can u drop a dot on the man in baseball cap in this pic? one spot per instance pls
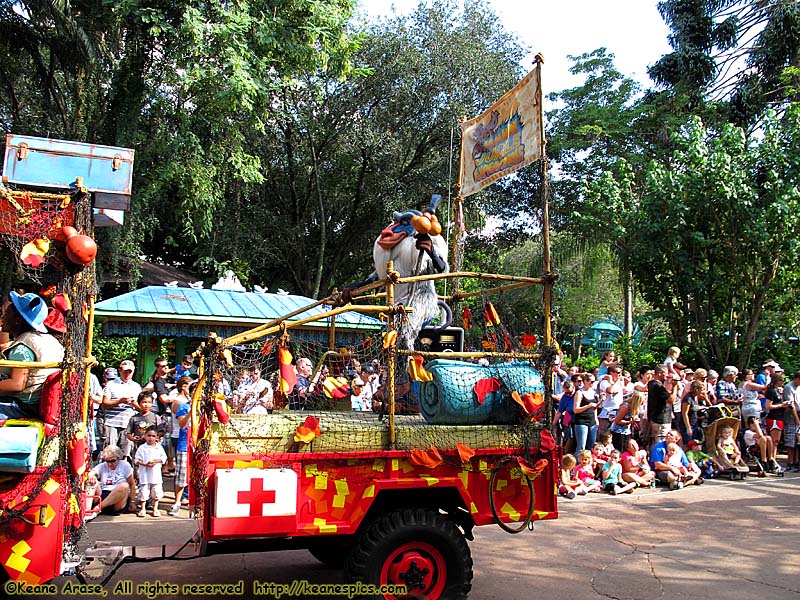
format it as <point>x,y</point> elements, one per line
<point>120,401</point>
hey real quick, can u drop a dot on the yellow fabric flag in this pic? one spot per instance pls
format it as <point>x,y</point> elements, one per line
<point>505,138</point>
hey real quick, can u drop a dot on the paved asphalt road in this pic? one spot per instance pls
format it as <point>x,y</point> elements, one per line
<point>723,540</point>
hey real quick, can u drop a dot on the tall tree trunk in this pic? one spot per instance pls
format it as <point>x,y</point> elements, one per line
<point>323,232</point>
<point>627,290</point>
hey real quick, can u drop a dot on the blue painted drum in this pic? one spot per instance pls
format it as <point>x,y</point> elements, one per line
<point>451,398</point>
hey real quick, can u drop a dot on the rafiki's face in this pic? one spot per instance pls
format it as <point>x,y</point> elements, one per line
<point>396,232</point>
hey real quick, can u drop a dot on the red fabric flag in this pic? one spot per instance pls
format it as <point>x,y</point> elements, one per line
<point>288,378</point>
<point>466,318</point>
<point>485,386</point>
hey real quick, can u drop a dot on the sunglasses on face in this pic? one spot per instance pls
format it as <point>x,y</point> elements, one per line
<point>112,460</point>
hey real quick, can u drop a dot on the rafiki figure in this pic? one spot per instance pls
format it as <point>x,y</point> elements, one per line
<point>414,242</point>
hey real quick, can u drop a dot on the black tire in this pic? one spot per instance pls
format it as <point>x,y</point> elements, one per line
<point>331,552</point>
<point>418,548</point>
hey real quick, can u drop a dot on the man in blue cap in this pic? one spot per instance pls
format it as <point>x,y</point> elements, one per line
<point>23,319</point>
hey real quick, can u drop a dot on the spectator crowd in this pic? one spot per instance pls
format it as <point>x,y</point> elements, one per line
<point>670,424</point>
<point>139,434</point>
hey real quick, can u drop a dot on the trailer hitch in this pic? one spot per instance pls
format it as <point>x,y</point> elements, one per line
<point>104,559</point>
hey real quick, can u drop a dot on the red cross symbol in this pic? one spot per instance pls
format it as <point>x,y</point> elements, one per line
<point>256,497</point>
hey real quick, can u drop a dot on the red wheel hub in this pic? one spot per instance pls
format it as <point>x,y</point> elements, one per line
<point>418,566</point>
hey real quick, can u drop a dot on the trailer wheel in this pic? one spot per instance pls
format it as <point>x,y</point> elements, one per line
<point>331,552</point>
<point>420,549</point>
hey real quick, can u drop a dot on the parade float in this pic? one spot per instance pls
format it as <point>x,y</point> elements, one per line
<point>387,485</point>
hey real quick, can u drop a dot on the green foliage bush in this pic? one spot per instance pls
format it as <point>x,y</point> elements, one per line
<point>110,351</point>
<point>633,356</point>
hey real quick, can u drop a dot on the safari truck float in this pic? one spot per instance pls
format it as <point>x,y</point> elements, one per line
<point>386,484</point>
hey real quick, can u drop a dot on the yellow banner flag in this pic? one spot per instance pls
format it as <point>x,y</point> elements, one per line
<point>505,138</point>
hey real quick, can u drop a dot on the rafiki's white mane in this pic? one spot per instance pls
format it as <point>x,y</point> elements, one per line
<point>421,296</point>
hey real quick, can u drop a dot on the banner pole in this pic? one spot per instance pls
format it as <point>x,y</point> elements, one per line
<point>457,216</point>
<point>548,280</point>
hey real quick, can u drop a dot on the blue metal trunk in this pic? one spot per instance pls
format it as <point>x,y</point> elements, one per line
<point>42,163</point>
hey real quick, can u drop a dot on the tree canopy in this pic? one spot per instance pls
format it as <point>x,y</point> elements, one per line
<point>275,138</point>
<point>731,51</point>
<point>710,231</point>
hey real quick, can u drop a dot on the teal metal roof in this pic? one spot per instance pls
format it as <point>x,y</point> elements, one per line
<point>184,311</point>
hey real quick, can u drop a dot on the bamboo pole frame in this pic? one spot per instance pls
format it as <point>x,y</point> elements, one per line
<point>16,364</point>
<point>274,322</point>
<point>494,290</point>
<point>88,360</point>
<point>519,282</point>
<point>472,275</point>
<point>278,324</point>
<point>543,188</point>
<point>392,356</point>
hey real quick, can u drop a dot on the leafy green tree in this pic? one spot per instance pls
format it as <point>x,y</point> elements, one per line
<point>110,351</point>
<point>337,156</point>
<point>593,126</point>
<point>597,125</point>
<point>187,83</point>
<point>710,231</point>
<point>732,51</point>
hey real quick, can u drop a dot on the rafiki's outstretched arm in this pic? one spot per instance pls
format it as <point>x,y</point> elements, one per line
<point>425,243</point>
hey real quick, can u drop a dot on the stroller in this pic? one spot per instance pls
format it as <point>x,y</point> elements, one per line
<point>717,419</point>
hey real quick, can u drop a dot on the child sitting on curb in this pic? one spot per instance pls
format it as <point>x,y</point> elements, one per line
<point>585,472</point>
<point>569,485</point>
<point>599,459</point>
<point>673,459</point>
<point>612,473</point>
<point>635,466</point>
<point>707,463</point>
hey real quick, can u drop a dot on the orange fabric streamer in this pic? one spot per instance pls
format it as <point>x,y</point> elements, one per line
<point>532,470</point>
<point>32,253</point>
<point>389,339</point>
<point>336,387</point>
<point>78,452</point>
<point>465,452</point>
<point>221,408</point>
<point>426,458</point>
<point>417,371</point>
<point>490,315</point>
<point>530,402</point>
